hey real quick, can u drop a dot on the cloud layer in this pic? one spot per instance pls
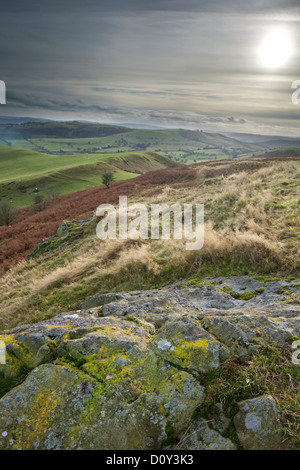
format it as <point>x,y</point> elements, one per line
<point>167,62</point>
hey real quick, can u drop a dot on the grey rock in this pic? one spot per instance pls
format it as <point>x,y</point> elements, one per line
<point>186,344</point>
<point>257,424</point>
<point>98,300</point>
<point>201,436</point>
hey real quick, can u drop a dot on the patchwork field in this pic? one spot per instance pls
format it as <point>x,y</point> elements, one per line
<point>182,145</point>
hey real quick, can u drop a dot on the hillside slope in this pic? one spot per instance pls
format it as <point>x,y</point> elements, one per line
<point>252,226</point>
<point>25,172</point>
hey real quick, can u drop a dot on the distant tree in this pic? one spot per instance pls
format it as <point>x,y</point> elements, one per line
<point>7,212</point>
<point>107,179</point>
<point>51,190</point>
<point>40,203</point>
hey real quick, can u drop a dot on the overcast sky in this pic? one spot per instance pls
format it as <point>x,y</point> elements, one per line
<point>172,63</point>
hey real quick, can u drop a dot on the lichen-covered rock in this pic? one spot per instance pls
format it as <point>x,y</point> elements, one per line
<point>242,333</point>
<point>60,407</point>
<point>202,437</point>
<point>99,300</point>
<point>211,297</point>
<point>186,344</point>
<point>257,424</point>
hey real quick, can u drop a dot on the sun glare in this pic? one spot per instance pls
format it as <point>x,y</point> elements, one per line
<point>276,49</point>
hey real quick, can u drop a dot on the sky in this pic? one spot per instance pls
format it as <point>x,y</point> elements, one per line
<point>168,63</point>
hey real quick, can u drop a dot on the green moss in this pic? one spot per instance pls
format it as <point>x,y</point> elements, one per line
<point>8,383</point>
<point>73,361</point>
<point>199,281</point>
<point>244,296</point>
<point>292,339</point>
<point>250,295</point>
<point>134,319</point>
<point>172,437</point>
<point>267,278</point>
<point>231,434</point>
<point>285,290</point>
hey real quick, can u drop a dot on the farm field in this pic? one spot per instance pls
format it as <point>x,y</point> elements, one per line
<point>181,145</point>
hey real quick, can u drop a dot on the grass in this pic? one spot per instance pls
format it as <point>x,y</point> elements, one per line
<point>21,171</point>
<point>270,371</point>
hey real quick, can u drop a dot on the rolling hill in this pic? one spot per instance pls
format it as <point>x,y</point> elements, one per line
<point>25,172</point>
<point>65,138</point>
<point>266,141</point>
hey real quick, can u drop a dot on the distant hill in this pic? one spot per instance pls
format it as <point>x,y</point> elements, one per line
<point>20,120</point>
<point>67,138</point>
<point>266,141</point>
<point>181,145</point>
<point>58,129</point>
<point>278,153</point>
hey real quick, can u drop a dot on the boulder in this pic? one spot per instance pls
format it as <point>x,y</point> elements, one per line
<point>201,436</point>
<point>257,424</point>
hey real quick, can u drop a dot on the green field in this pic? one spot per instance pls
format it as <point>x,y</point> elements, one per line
<point>22,171</point>
<point>181,145</point>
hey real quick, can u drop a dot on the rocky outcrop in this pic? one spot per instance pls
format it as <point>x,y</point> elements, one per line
<point>127,370</point>
<point>67,233</point>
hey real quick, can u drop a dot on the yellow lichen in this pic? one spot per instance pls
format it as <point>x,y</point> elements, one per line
<point>36,426</point>
<point>185,350</point>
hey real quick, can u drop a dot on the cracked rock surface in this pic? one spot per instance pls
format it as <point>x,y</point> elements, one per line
<point>123,371</point>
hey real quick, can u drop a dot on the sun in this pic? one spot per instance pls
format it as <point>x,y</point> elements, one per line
<point>276,49</point>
